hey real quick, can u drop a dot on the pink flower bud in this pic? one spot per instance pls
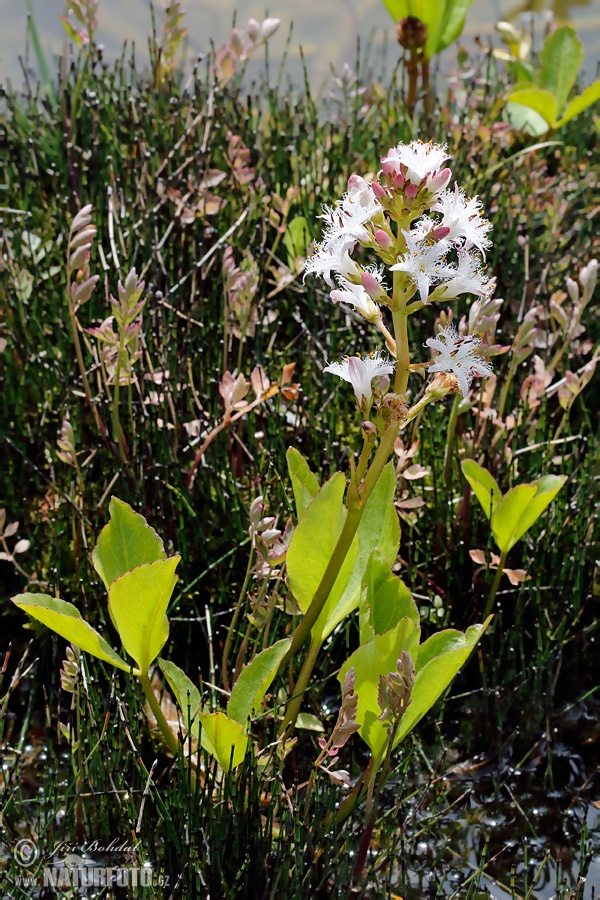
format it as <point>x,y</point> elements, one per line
<point>383,238</point>
<point>438,182</point>
<point>378,191</point>
<point>411,191</point>
<point>372,287</point>
<point>438,233</point>
<point>399,180</point>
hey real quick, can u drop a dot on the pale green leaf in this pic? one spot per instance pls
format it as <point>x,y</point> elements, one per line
<point>223,738</point>
<point>561,58</point>
<point>185,691</point>
<point>304,482</point>
<point>138,602</point>
<point>378,657</point>
<point>385,599</point>
<point>379,527</point>
<point>314,541</point>
<point>398,9</point>
<point>435,676</point>
<point>65,619</point>
<point>521,507</point>
<point>309,722</point>
<point>254,681</point>
<point>125,543</point>
<point>454,22</point>
<point>540,101</point>
<point>526,120</point>
<point>484,485</point>
<point>587,98</point>
<point>296,239</point>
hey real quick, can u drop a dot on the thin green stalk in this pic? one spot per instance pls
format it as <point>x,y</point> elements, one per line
<point>234,619</point>
<point>119,435</point>
<point>169,738</point>
<point>78,353</point>
<point>495,583</point>
<point>448,452</point>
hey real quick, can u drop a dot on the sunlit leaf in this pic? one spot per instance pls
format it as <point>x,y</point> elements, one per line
<point>379,527</point>
<point>313,544</point>
<point>185,691</point>
<point>254,681</point>
<point>65,619</point>
<point>561,58</point>
<point>385,599</point>
<point>138,602</point>
<point>484,485</point>
<point>223,738</point>
<point>304,482</point>
<point>126,542</point>
<point>587,98</point>
<point>521,507</point>
<point>540,101</point>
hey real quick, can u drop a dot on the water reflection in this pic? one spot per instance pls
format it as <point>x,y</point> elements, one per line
<point>327,31</point>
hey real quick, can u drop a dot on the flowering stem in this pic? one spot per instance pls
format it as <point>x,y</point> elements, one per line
<point>357,500</point>
<point>293,707</point>
<point>119,435</point>
<point>400,319</point>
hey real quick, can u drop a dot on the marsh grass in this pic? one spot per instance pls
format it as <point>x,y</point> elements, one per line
<point>140,157</point>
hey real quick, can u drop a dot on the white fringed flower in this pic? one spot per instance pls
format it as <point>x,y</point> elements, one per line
<point>465,278</point>
<point>424,262</point>
<point>360,373</point>
<point>419,162</point>
<point>356,296</point>
<point>458,355</point>
<point>463,217</point>
<point>349,217</point>
<point>332,256</point>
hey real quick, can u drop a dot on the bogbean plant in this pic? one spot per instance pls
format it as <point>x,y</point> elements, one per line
<point>429,240</point>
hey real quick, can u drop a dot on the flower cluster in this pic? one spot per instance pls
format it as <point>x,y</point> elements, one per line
<point>430,237</point>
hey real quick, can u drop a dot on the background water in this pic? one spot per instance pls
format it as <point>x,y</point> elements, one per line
<point>327,30</point>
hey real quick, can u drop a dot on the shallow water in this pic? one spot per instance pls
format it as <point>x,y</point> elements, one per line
<point>326,31</point>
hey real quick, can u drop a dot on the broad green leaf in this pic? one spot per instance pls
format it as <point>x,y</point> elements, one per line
<point>398,9</point>
<point>185,691</point>
<point>454,23</point>
<point>296,239</point>
<point>484,485</point>
<point>65,619</point>
<point>313,544</point>
<point>435,676</point>
<point>561,58</point>
<point>379,527</point>
<point>224,738</point>
<point>521,507</point>
<point>125,543</point>
<point>309,722</point>
<point>254,681</point>
<point>378,657</point>
<point>385,599</point>
<point>138,602</point>
<point>439,643</point>
<point>589,96</point>
<point>304,481</point>
<point>540,101</point>
<point>526,119</point>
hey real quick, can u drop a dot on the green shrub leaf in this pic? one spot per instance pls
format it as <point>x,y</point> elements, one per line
<point>379,527</point>
<point>378,657</point>
<point>185,691</point>
<point>254,681</point>
<point>483,484</point>
<point>314,541</point>
<point>304,482</point>
<point>138,602</point>
<point>125,543</point>
<point>540,101</point>
<point>561,58</point>
<point>223,738</point>
<point>521,507</point>
<point>587,98</point>
<point>385,599</point>
<point>65,619</point>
